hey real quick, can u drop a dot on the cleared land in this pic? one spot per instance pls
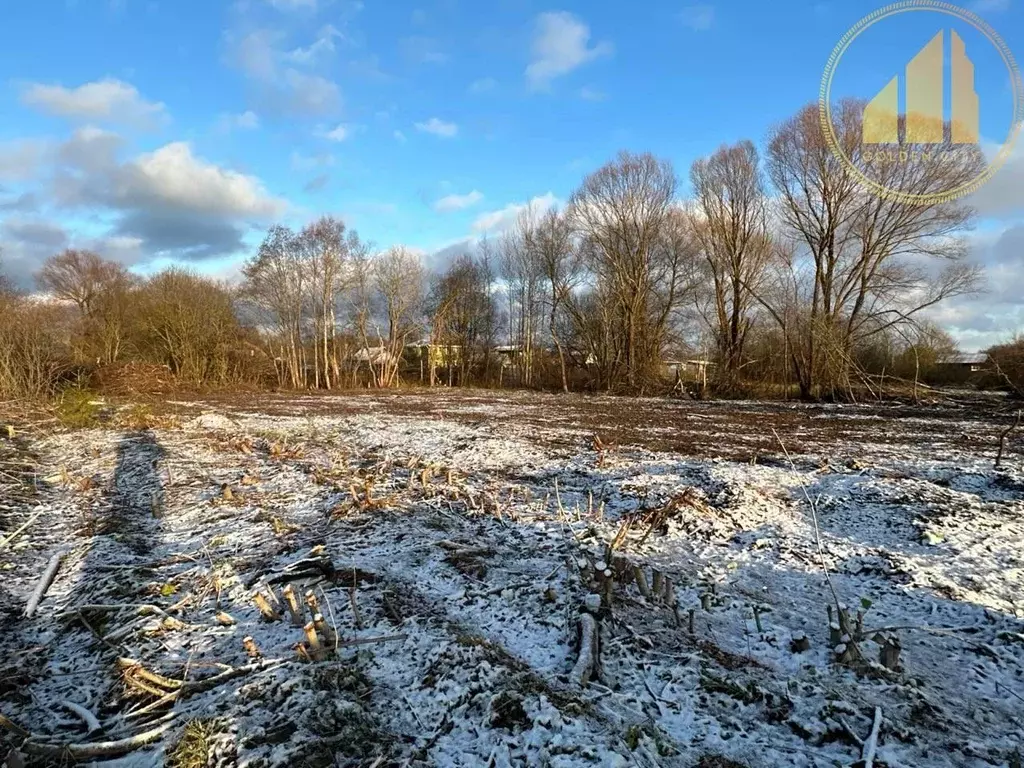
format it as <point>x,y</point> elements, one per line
<point>452,538</point>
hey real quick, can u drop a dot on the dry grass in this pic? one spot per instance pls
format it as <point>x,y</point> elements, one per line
<point>193,749</point>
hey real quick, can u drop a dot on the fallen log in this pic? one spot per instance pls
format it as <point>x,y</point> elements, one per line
<point>99,748</point>
<point>44,584</point>
<point>587,664</point>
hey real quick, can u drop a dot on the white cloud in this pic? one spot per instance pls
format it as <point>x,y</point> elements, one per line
<point>423,50</point>
<point>340,133</point>
<point>483,85</point>
<point>319,49</point>
<point>245,121</point>
<point>255,54</point>
<point>1002,196</point>
<point>592,94</point>
<point>496,222</point>
<point>248,120</point>
<point>438,127</point>
<point>698,17</point>
<point>451,203</point>
<point>103,101</point>
<point>283,89</point>
<point>174,177</point>
<point>561,44</point>
<point>309,94</point>
<point>400,137</point>
<point>168,203</point>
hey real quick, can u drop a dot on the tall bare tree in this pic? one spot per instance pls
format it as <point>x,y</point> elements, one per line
<point>275,284</point>
<point>328,250</point>
<point>99,288</point>
<point>862,261</point>
<point>522,273</point>
<point>399,280</point>
<point>550,238</point>
<point>621,212</point>
<point>462,315</point>
<point>731,226</point>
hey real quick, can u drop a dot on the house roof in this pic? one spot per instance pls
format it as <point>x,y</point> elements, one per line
<point>967,358</point>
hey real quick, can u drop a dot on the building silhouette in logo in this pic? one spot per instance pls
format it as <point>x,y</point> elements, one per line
<point>924,85</point>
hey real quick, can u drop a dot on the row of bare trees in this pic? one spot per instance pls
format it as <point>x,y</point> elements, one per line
<point>321,300</point>
<point>783,268</point>
<point>793,248</point>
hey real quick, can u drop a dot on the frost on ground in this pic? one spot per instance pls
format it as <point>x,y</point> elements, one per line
<point>450,542</point>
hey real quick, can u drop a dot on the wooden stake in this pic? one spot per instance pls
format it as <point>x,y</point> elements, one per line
<point>889,655</point>
<point>311,601</point>
<point>672,601</point>
<point>291,601</point>
<point>250,648</point>
<point>355,608</point>
<point>641,582</point>
<point>658,585</point>
<point>269,612</point>
<point>326,630</point>
<point>314,648</point>
<point>871,745</point>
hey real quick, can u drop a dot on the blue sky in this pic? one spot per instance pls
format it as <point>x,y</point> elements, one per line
<point>161,131</point>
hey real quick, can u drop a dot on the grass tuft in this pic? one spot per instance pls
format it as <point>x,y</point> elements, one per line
<point>193,749</point>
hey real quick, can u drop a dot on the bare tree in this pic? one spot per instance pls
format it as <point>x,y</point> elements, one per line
<point>275,285</point>
<point>621,213</point>
<point>80,277</point>
<point>399,279</point>
<point>327,251</point>
<point>862,261</point>
<point>462,314</point>
<point>732,227</point>
<point>522,273</point>
<point>100,290</point>
<point>558,258</point>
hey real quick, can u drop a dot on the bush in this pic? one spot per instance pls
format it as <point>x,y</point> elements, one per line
<point>78,408</point>
<point>1005,366</point>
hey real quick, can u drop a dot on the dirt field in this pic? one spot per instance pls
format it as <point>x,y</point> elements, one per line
<point>454,541</point>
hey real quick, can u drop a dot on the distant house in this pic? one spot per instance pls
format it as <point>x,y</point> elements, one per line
<point>965,363</point>
<point>372,355</point>
<point>508,354</point>
<point>960,369</point>
<point>687,370</point>
<point>433,355</point>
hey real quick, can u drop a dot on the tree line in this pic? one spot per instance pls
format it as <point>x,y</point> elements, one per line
<point>776,267</point>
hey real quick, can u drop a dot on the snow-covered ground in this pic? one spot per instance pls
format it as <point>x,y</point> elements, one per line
<point>463,531</point>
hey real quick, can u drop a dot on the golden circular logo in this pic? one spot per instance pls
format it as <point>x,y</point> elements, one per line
<point>881,119</point>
